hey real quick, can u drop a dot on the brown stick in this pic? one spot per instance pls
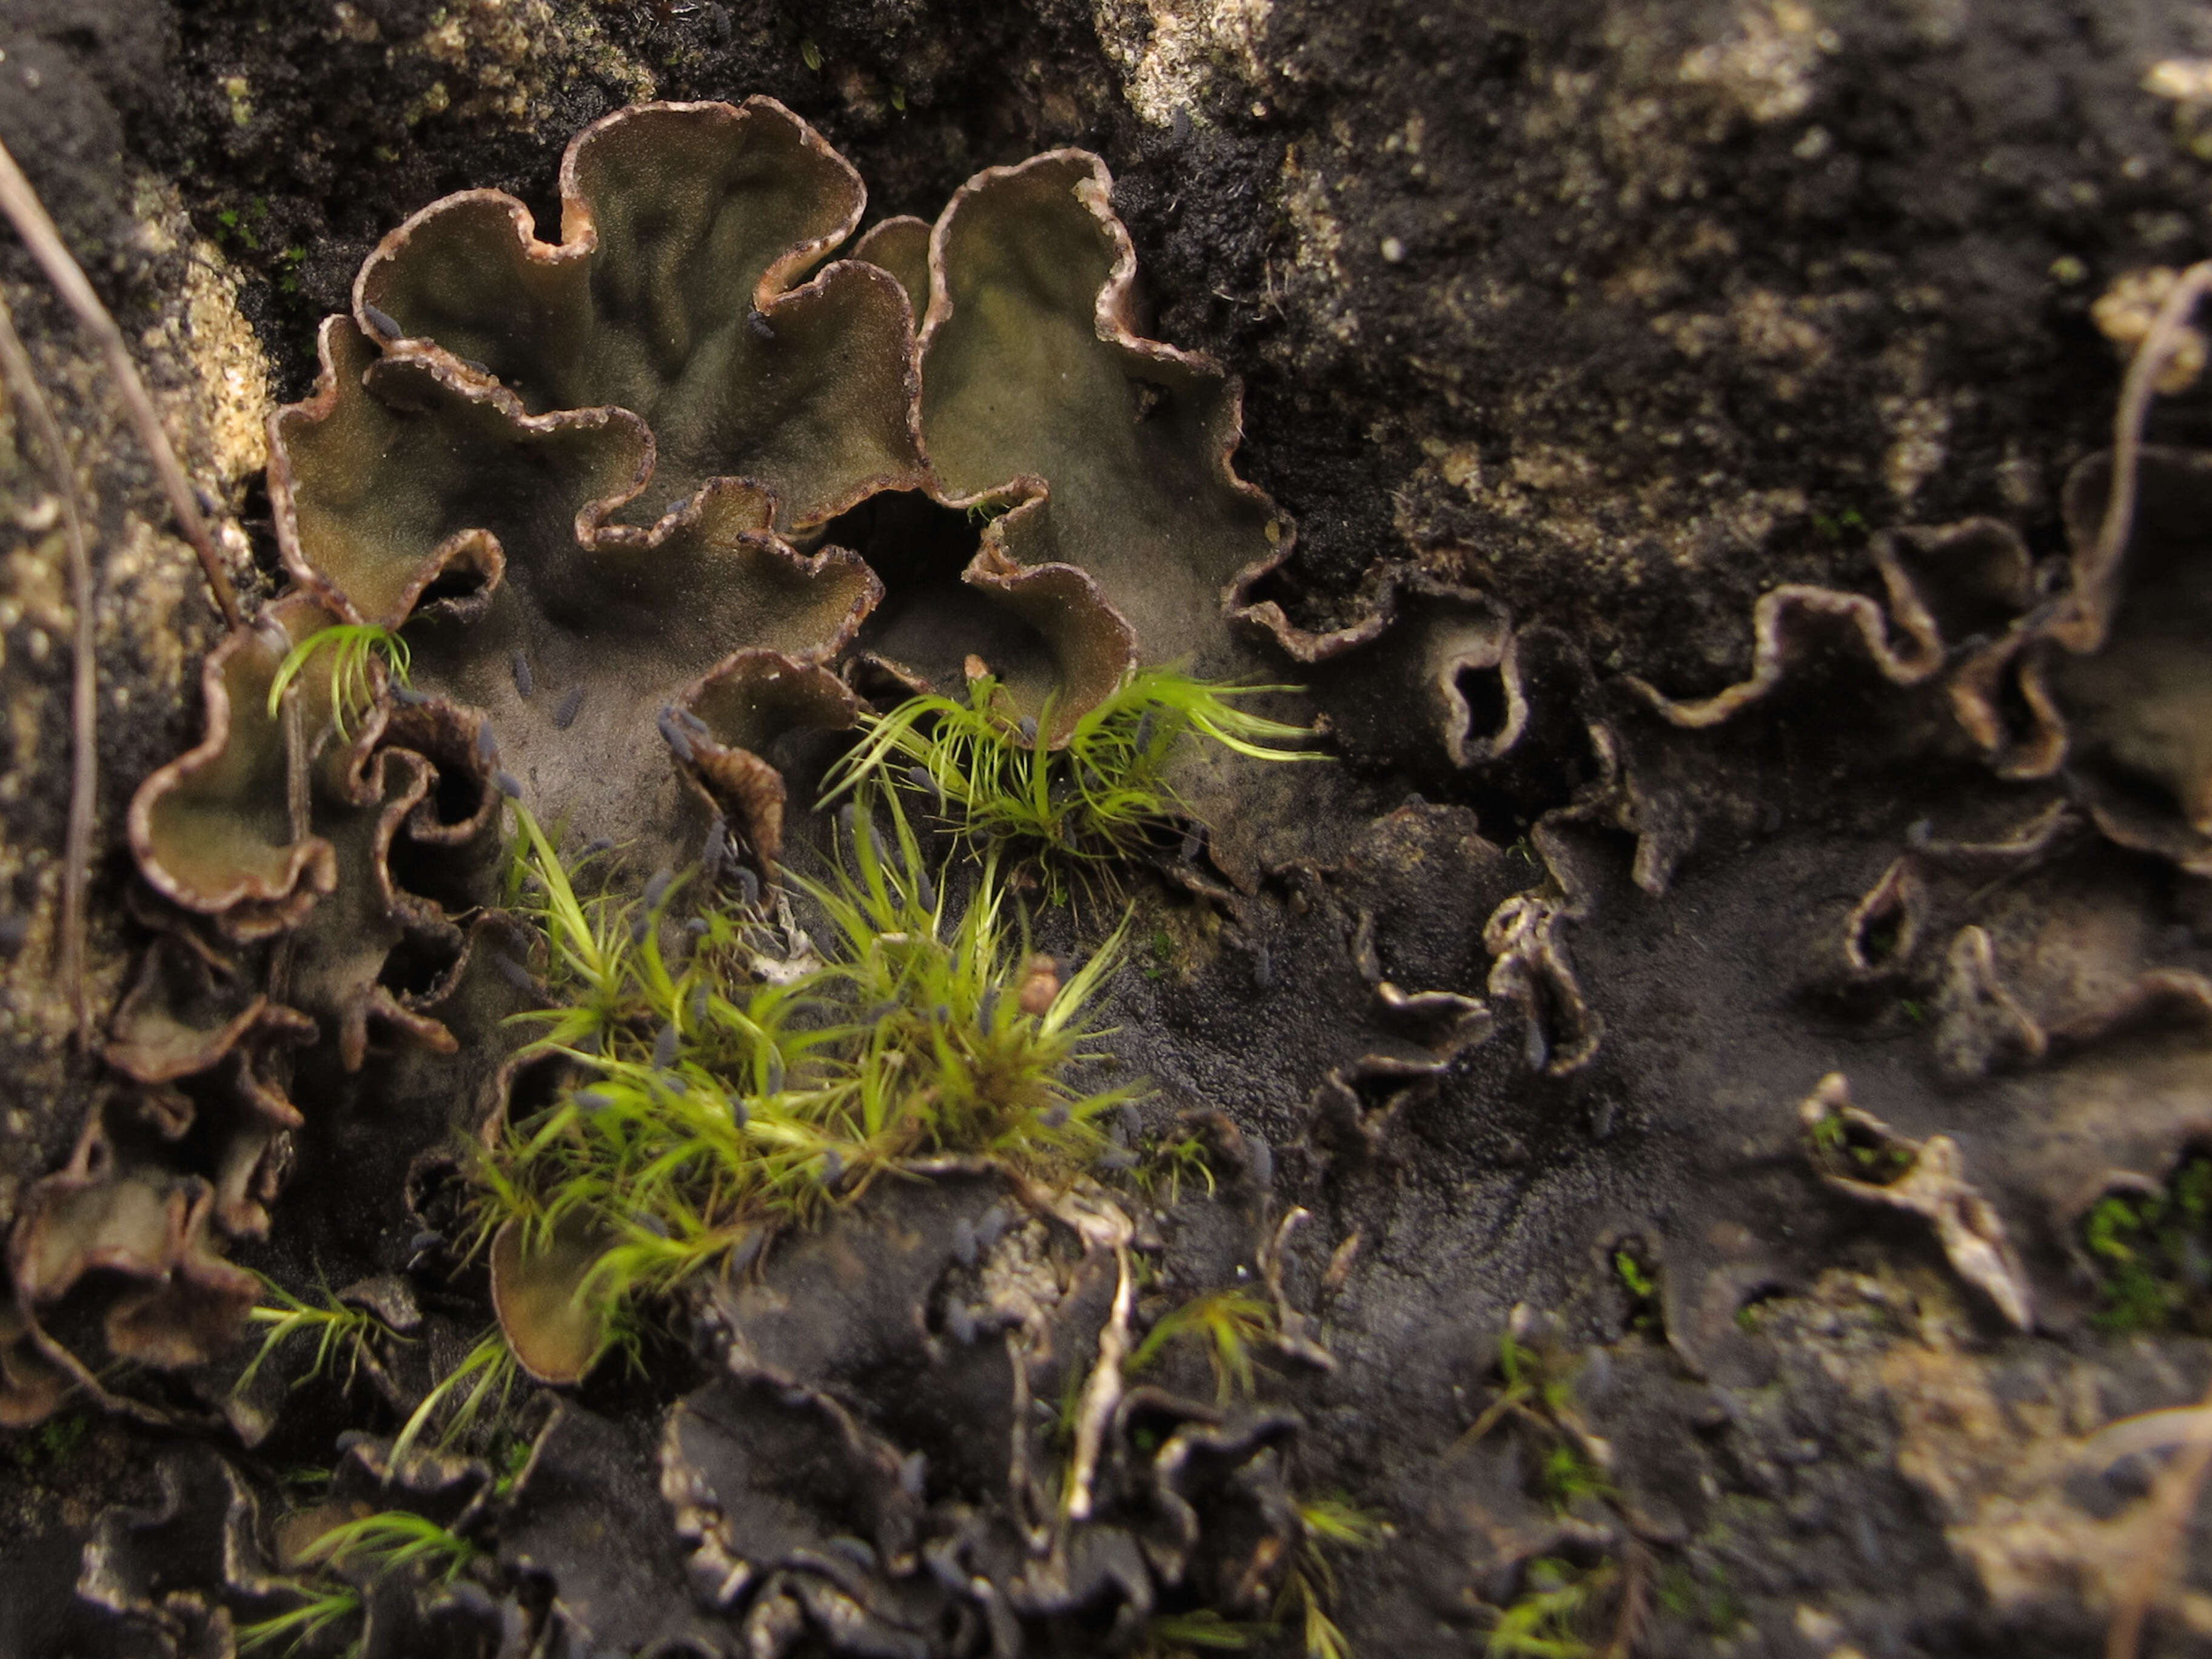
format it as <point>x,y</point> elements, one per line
<point>84,691</point>
<point>21,206</point>
<point>2158,344</point>
<point>2173,1499</point>
<point>2175,1493</point>
<point>1635,1603</point>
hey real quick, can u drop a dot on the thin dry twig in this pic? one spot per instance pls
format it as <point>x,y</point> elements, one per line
<point>84,699</point>
<point>28,214</point>
<point>1635,1606</point>
<point>2172,1500</point>
<point>2174,1496</point>
<point>2136,392</point>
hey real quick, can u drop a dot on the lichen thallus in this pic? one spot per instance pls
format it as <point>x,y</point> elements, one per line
<point>730,1076</point>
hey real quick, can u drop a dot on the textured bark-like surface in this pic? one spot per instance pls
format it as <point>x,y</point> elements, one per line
<point>1769,851</point>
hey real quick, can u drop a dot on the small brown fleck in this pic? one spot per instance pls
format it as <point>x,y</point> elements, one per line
<point>1039,984</point>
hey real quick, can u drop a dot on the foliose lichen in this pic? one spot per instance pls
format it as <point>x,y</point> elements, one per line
<point>591,490</point>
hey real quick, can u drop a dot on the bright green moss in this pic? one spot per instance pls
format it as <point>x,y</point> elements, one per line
<point>2152,1254</point>
<point>1103,796</point>
<point>715,1102</point>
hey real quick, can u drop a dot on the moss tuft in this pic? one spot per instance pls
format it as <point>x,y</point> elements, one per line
<point>2151,1253</point>
<point>711,1102</point>
<point>1102,795</point>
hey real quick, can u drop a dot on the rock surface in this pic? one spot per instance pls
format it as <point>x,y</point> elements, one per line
<point>1571,334</point>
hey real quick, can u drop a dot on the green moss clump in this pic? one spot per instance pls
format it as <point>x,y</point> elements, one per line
<point>713,1103</point>
<point>1101,795</point>
<point>2152,1254</point>
<point>53,1444</point>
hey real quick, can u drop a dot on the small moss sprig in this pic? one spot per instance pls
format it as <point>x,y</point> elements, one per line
<point>338,1330</point>
<point>354,649</point>
<point>714,1104</point>
<point>322,1608</point>
<point>1230,1323</point>
<point>2147,1251</point>
<point>1552,1616</point>
<point>372,1546</point>
<point>1170,1634</point>
<point>1162,1166</point>
<point>1533,1392</point>
<point>1309,1590</point>
<point>980,771</point>
<point>391,1540</point>
<point>489,1373</point>
<point>1639,1279</point>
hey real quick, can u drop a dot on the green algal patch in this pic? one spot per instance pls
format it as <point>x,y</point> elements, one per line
<point>976,768</point>
<point>2151,1253</point>
<point>1639,1279</point>
<point>731,1075</point>
<point>1698,1589</point>
<point>1161,960</point>
<point>52,1445</point>
<point>1851,1150</point>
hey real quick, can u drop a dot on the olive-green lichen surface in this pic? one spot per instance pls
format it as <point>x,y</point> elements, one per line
<point>574,491</point>
<point>1037,387</point>
<point>685,228</point>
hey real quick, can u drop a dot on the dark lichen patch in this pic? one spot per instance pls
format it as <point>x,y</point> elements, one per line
<point>1035,378</point>
<point>403,478</point>
<point>754,705</point>
<point>1049,636</point>
<point>901,245</point>
<point>2132,684</point>
<point>676,293</point>
<point>1136,1503</point>
<point>592,1519</point>
<point>399,474</point>
<point>215,829</point>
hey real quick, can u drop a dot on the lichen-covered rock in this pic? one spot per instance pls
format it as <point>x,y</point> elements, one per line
<point>2106,681</point>
<point>1644,324</point>
<point>947,1514</point>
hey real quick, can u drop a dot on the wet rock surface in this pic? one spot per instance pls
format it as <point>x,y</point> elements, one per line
<point>1767,852</point>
